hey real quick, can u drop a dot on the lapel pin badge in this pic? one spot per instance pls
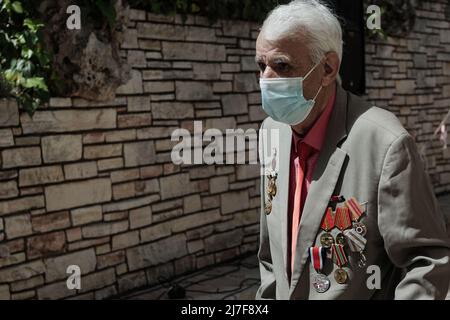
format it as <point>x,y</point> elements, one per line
<point>272,185</point>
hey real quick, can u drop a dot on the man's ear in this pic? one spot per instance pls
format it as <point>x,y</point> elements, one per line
<point>331,68</point>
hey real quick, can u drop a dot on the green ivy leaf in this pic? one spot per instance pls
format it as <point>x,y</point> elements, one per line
<point>24,62</point>
<point>35,82</point>
<point>27,53</point>
<point>32,25</point>
<point>17,7</point>
<point>12,76</point>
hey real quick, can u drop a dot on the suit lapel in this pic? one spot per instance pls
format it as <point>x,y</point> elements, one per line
<point>325,177</point>
<point>285,156</point>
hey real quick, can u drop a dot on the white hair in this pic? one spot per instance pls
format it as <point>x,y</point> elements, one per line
<point>309,18</point>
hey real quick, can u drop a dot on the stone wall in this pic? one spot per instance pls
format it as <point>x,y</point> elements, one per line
<point>411,77</point>
<point>93,184</point>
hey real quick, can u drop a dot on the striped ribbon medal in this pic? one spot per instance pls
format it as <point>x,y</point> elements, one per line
<point>342,218</point>
<point>340,258</point>
<point>342,221</point>
<point>328,220</point>
<point>355,237</point>
<point>320,281</point>
<point>355,213</point>
<point>356,241</point>
<point>355,209</point>
<point>326,239</point>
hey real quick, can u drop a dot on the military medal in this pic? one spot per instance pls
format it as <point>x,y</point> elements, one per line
<point>326,239</point>
<point>342,222</point>
<point>355,209</point>
<point>341,276</point>
<point>320,281</point>
<point>356,241</point>
<point>272,186</point>
<point>360,228</point>
<point>340,238</point>
<point>362,260</point>
<point>355,236</point>
<point>355,213</point>
<point>268,207</point>
<point>271,192</point>
<point>340,258</point>
<point>342,218</point>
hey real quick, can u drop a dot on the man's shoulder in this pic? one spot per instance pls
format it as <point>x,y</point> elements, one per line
<point>378,123</point>
<point>372,127</point>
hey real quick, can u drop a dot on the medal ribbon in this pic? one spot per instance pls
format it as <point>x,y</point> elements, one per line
<point>337,199</point>
<point>339,254</point>
<point>342,218</point>
<point>355,209</point>
<point>328,220</point>
<point>356,242</point>
<point>316,255</point>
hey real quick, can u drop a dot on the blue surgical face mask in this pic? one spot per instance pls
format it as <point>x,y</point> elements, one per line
<point>283,100</point>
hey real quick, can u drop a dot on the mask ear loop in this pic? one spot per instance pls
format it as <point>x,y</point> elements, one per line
<point>312,69</point>
<point>314,99</point>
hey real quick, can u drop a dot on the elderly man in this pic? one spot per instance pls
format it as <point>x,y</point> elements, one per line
<point>348,211</point>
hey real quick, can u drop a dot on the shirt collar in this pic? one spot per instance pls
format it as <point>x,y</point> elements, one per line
<point>316,134</point>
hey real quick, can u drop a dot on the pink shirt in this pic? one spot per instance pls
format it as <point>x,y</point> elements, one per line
<point>314,138</point>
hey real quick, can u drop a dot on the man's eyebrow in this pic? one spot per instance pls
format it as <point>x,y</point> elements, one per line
<point>281,59</point>
<point>276,60</point>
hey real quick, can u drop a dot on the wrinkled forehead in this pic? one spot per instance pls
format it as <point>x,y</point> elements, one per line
<point>293,49</point>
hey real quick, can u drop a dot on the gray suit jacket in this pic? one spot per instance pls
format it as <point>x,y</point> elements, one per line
<point>367,154</point>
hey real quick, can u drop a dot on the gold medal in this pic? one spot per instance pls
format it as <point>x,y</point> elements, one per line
<point>272,188</point>
<point>340,239</point>
<point>326,239</point>
<point>341,276</point>
<point>271,192</point>
<point>327,224</point>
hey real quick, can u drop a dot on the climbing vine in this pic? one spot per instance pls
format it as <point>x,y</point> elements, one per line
<point>397,18</point>
<point>25,57</point>
<point>213,9</point>
<point>24,63</point>
<point>27,68</point>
